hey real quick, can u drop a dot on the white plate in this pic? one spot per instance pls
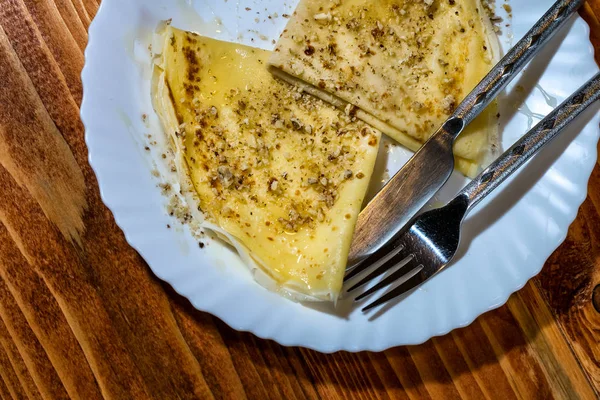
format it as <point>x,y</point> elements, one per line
<point>506,241</point>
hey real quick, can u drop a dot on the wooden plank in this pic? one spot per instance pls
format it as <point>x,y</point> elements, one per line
<point>40,330</point>
<point>46,28</point>
<point>128,276</point>
<point>33,150</point>
<point>567,284</point>
<point>591,14</point>
<point>129,272</point>
<point>483,363</point>
<point>21,371</point>
<point>77,297</point>
<point>432,371</point>
<point>546,343</point>
<point>252,381</point>
<point>75,18</point>
<point>91,7</point>
<point>7,373</point>
<point>299,370</point>
<point>4,393</point>
<point>466,384</point>
<point>208,347</point>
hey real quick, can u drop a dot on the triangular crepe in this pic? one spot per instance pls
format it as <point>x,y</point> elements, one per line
<point>279,174</point>
<point>405,65</point>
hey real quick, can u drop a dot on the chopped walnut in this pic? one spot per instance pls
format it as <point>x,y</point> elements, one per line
<point>322,17</point>
<point>226,211</point>
<point>296,124</point>
<point>320,215</point>
<point>449,103</point>
<point>225,175</point>
<point>417,105</point>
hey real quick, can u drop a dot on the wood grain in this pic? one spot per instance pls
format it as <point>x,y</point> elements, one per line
<point>25,379</point>
<point>32,149</point>
<point>82,316</point>
<point>25,301</point>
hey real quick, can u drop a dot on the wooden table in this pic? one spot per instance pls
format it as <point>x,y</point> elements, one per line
<point>82,316</point>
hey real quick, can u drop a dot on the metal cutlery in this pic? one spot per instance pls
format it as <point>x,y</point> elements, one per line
<point>429,242</point>
<point>430,167</point>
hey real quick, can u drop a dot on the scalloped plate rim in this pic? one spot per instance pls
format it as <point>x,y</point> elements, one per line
<point>230,318</point>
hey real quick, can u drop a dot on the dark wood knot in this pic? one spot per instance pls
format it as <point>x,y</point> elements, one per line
<point>596,298</point>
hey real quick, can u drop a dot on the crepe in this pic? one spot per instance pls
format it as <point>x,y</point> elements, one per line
<point>400,65</point>
<point>279,174</point>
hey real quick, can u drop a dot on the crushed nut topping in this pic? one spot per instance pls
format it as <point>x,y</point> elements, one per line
<point>449,103</point>
<point>270,147</point>
<point>322,17</point>
<point>274,185</point>
<point>403,61</point>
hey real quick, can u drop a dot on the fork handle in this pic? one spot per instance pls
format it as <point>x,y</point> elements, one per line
<point>531,142</point>
<point>510,65</point>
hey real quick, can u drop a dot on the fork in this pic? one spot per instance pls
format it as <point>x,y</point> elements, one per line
<point>428,243</point>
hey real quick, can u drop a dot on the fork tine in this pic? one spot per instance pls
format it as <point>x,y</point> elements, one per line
<point>404,287</point>
<point>388,264</point>
<point>372,260</point>
<point>363,265</point>
<point>409,266</point>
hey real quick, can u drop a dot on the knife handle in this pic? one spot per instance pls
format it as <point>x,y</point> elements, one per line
<point>510,65</point>
<point>532,142</point>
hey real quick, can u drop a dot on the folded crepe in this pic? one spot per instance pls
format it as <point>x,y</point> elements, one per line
<point>400,65</point>
<point>277,173</point>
